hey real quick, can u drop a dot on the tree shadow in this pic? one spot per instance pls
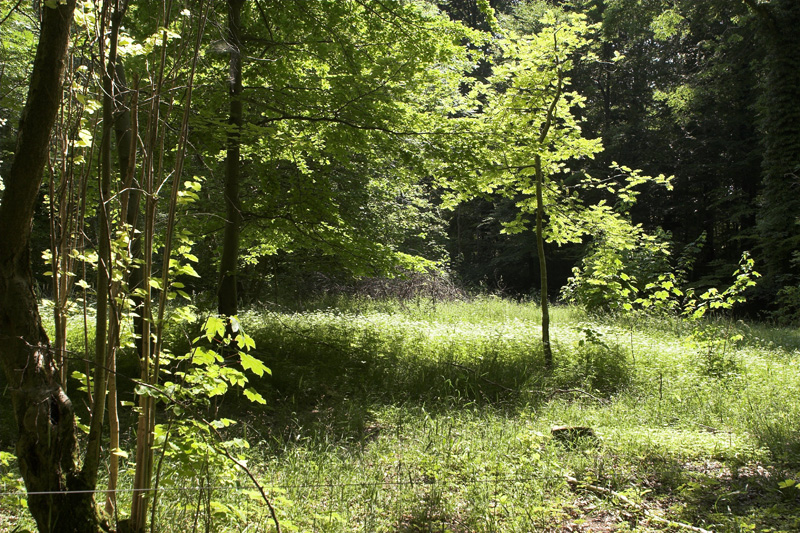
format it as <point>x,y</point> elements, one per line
<point>729,497</point>
<point>328,387</point>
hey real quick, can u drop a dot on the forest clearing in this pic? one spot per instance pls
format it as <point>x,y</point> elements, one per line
<point>399,265</point>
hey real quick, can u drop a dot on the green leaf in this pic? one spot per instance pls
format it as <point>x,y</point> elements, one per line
<point>201,356</point>
<point>84,135</point>
<point>119,453</point>
<point>222,423</point>
<point>253,396</point>
<point>214,326</point>
<point>189,270</point>
<point>251,363</point>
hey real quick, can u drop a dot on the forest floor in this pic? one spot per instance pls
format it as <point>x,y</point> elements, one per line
<point>440,417</point>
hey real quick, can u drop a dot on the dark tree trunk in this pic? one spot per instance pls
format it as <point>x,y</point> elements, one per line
<point>126,129</point>
<point>227,297</point>
<point>46,447</point>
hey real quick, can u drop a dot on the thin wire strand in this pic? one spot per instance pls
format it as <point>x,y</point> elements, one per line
<point>492,481</point>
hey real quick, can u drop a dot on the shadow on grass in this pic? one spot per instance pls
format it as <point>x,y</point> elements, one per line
<point>747,498</point>
<point>326,383</point>
<point>704,493</point>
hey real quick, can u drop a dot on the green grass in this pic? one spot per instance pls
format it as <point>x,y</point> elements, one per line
<point>383,416</point>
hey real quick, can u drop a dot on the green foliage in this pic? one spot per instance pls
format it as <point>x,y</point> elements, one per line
<point>10,483</point>
<point>673,92</point>
<point>713,300</point>
<point>779,116</point>
<point>356,112</point>
<point>339,126</point>
<point>623,266</point>
<point>595,365</point>
<point>788,300</point>
<point>383,415</point>
<point>17,47</point>
<point>207,370</point>
<point>772,420</point>
<point>194,443</point>
<point>529,79</point>
<point>787,311</point>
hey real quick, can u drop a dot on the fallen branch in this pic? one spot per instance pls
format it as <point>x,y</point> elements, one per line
<point>627,501</point>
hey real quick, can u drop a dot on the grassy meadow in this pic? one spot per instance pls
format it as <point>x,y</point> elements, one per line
<point>438,417</point>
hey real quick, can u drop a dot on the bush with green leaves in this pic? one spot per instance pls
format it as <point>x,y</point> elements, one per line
<point>596,363</point>
<point>11,485</point>
<point>623,263</point>
<point>193,441</point>
<point>787,310</point>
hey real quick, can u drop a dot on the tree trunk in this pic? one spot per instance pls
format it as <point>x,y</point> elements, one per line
<point>91,463</point>
<point>227,297</point>
<point>548,352</point>
<point>537,163</point>
<point>46,446</point>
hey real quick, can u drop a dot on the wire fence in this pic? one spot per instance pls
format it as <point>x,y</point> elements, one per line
<point>287,486</point>
<point>489,503</point>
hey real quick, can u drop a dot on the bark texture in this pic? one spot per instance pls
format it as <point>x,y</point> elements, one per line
<point>46,446</point>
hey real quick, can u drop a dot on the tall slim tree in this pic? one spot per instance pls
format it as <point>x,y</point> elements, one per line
<point>532,133</point>
<point>227,292</point>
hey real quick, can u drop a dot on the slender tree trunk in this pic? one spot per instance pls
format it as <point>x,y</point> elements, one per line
<point>548,352</point>
<point>537,163</point>
<point>141,482</point>
<point>126,131</point>
<point>64,213</point>
<point>227,297</point>
<point>121,119</point>
<point>46,445</point>
<point>104,267</point>
<point>151,361</point>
